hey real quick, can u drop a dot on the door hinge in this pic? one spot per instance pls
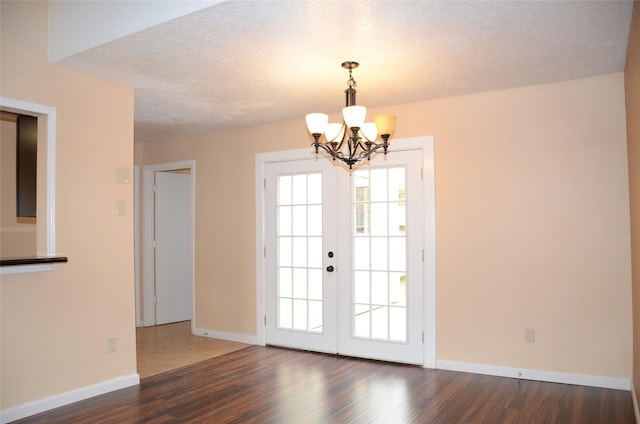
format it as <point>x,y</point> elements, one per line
<point>422,255</point>
<point>265,320</point>
<point>264,252</point>
<point>421,172</point>
<point>423,337</point>
<point>264,183</point>
<point>155,244</point>
<point>155,300</point>
<point>154,188</point>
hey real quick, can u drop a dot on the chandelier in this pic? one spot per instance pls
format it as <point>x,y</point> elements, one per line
<point>352,140</point>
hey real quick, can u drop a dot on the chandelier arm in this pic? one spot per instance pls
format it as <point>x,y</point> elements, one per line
<point>328,149</point>
<point>374,149</point>
<point>354,142</point>
<point>339,145</point>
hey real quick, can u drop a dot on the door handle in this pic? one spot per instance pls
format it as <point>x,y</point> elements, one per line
<point>330,268</point>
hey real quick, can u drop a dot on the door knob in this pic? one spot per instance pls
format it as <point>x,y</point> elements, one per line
<point>330,268</point>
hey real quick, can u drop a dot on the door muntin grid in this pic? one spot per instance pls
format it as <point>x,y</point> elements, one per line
<point>379,255</point>
<point>299,288</point>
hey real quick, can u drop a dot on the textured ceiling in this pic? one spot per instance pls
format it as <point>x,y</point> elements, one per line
<point>242,63</point>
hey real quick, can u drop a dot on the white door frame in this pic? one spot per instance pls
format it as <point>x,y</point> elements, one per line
<point>149,277</point>
<point>136,245</point>
<point>426,145</point>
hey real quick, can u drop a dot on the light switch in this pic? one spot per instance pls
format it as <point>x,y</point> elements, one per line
<point>119,207</point>
<point>122,175</point>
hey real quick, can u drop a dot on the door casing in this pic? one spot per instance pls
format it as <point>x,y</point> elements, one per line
<point>422,145</point>
<point>148,283</point>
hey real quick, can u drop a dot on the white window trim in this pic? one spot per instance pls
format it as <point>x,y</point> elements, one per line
<point>50,112</point>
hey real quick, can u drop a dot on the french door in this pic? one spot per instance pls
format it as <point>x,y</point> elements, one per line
<point>344,271</point>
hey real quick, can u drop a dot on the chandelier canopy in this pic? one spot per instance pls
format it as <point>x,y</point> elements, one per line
<point>352,140</point>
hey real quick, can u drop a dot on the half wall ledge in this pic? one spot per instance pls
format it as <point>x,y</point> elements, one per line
<point>32,260</point>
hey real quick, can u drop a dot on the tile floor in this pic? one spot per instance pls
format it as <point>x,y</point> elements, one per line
<point>170,346</point>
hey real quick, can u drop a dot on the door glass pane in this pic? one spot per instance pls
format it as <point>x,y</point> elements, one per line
<point>315,284</point>
<point>378,219</point>
<point>362,320</point>
<point>315,316</point>
<point>284,251</point>
<point>285,282</point>
<point>285,221</point>
<point>300,314</point>
<point>379,298</point>
<point>314,189</point>
<point>299,226</point>
<point>299,190</point>
<point>379,288</point>
<point>299,256</point>
<point>314,218</point>
<point>378,185</point>
<point>379,253</point>
<point>361,284</point>
<point>361,253</point>
<point>299,283</point>
<point>284,190</point>
<point>314,249</point>
<point>299,253</point>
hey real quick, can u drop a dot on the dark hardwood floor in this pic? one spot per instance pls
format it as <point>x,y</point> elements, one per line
<point>273,385</point>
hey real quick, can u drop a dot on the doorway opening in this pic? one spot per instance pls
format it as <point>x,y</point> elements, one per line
<point>165,293</point>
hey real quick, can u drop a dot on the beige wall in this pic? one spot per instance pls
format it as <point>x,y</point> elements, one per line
<point>55,325</point>
<point>632,91</point>
<point>532,223</point>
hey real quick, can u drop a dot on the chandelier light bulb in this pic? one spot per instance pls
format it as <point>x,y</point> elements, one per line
<point>369,131</point>
<point>317,122</point>
<point>334,132</point>
<point>354,116</point>
<point>386,124</point>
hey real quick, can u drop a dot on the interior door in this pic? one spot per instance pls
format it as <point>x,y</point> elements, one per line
<point>344,257</point>
<point>173,251</point>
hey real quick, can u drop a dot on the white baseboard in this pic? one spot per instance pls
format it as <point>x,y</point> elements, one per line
<point>539,375</point>
<point>223,335</point>
<point>41,405</point>
<point>636,410</point>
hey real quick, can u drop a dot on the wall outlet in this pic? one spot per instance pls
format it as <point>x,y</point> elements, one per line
<point>529,335</point>
<point>113,346</point>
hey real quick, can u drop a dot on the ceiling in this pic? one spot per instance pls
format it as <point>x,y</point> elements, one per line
<point>241,63</point>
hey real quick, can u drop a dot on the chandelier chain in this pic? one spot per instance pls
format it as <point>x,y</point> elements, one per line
<point>351,82</point>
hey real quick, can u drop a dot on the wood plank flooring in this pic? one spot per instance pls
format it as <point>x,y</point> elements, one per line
<point>166,347</point>
<point>273,385</point>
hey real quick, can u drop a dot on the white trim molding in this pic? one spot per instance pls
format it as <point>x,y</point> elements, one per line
<point>634,398</point>
<point>223,335</point>
<point>41,405</point>
<point>20,269</point>
<point>538,375</point>
<point>148,255</point>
